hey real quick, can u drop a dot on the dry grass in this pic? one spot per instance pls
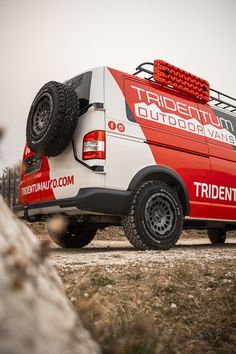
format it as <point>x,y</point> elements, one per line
<point>186,308</point>
<point>179,307</point>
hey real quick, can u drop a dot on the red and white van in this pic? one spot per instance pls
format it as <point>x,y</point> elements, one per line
<point>154,151</point>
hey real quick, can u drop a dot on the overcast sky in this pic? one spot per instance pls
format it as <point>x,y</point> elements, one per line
<point>43,40</point>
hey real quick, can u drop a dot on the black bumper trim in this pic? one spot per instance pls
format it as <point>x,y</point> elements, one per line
<point>103,200</point>
<point>100,200</point>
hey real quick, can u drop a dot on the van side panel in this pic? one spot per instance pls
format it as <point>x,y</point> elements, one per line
<point>220,128</point>
<point>173,130</point>
<point>125,150</point>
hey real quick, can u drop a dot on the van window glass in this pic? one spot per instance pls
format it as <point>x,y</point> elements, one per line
<point>81,85</point>
<point>32,164</point>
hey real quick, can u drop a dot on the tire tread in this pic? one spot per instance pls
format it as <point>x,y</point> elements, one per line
<point>62,127</point>
<point>130,226</point>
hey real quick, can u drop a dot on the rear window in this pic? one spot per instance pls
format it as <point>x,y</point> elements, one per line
<point>81,85</point>
<point>32,164</point>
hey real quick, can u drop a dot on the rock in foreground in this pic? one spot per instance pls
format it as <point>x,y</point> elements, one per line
<point>35,315</point>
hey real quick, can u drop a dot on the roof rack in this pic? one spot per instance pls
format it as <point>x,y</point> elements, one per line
<point>223,101</point>
<point>140,69</point>
<point>217,98</point>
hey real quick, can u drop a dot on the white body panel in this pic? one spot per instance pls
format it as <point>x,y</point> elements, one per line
<point>126,152</point>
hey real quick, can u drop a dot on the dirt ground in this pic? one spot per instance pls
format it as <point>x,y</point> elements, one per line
<point>177,301</point>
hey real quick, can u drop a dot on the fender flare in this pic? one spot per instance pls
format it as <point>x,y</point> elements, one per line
<point>166,175</point>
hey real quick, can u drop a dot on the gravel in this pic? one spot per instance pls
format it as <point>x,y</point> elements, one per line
<point>109,253</point>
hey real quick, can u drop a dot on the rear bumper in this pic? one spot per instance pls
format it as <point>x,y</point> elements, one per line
<point>96,200</point>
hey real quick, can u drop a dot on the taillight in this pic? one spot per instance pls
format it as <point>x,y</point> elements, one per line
<point>94,145</point>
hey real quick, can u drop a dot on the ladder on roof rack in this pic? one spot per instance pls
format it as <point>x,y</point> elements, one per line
<point>217,98</point>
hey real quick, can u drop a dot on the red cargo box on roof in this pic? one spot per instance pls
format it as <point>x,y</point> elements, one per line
<point>182,81</point>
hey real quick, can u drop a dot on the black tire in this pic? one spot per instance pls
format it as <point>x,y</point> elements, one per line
<point>216,236</point>
<point>52,119</point>
<point>155,220</point>
<point>74,236</point>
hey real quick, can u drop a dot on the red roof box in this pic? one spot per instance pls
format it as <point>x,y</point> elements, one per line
<point>182,81</point>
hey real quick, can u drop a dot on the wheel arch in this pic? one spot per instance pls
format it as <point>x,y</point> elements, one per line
<point>166,175</point>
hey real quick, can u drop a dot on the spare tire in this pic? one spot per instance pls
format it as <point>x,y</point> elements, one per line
<point>52,119</point>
